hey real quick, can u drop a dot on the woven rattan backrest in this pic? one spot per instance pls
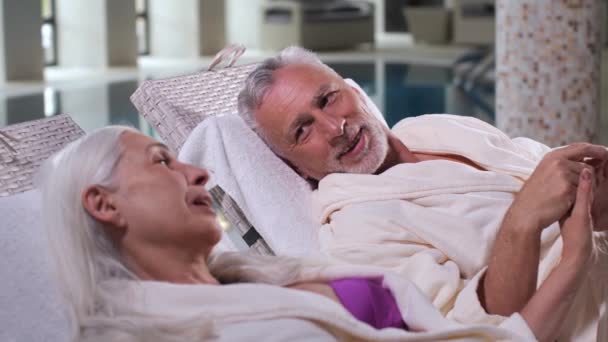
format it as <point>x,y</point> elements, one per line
<point>238,221</point>
<point>175,106</point>
<point>34,142</point>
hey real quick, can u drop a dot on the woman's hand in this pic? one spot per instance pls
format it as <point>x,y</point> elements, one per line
<point>599,211</point>
<point>546,311</point>
<point>577,228</point>
<point>551,190</point>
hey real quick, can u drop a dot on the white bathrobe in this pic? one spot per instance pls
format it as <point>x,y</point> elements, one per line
<point>435,221</point>
<point>260,312</point>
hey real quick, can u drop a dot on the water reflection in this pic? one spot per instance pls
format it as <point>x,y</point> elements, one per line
<point>122,111</point>
<point>24,108</point>
<point>412,90</point>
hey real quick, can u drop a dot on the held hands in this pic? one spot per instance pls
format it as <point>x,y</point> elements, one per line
<point>551,190</point>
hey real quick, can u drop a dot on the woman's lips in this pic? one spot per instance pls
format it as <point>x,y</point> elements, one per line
<point>201,202</point>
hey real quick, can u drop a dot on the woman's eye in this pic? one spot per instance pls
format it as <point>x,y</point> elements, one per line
<point>163,160</point>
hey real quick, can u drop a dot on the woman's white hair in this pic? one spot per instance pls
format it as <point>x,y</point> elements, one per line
<point>260,80</point>
<point>87,264</point>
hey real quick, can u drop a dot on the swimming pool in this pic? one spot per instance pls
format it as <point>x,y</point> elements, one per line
<point>400,90</point>
<point>403,90</point>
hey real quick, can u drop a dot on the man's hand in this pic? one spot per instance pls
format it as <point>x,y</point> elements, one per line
<point>550,192</point>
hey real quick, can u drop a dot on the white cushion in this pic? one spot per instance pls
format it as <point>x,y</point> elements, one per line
<point>30,302</point>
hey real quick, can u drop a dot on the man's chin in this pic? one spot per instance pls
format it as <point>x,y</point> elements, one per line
<point>368,165</point>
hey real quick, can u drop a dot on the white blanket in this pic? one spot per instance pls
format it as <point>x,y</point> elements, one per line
<point>240,312</point>
<point>435,221</point>
<point>31,307</point>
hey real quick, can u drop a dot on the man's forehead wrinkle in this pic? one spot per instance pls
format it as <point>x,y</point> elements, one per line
<point>323,88</point>
<point>288,98</point>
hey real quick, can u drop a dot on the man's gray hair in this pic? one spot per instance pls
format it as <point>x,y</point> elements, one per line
<point>260,80</point>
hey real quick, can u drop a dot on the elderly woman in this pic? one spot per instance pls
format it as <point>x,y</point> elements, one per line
<point>132,230</point>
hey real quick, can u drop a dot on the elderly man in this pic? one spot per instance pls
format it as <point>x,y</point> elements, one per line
<point>433,198</point>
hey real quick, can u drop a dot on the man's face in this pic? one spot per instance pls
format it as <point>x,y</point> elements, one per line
<point>320,124</point>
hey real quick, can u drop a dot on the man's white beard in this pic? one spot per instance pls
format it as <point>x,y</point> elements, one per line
<point>373,156</point>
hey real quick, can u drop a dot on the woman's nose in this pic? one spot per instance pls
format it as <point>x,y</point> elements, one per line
<point>195,175</point>
<point>199,176</point>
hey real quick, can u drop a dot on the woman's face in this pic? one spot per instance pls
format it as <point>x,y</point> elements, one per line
<point>158,202</point>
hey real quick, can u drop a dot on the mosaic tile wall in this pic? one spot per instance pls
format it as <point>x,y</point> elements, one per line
<point>548,69</point>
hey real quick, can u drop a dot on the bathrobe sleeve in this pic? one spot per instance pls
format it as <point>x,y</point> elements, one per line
<point>467,307</point>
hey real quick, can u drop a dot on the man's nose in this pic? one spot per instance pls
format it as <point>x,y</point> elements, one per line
<point>332,125</point>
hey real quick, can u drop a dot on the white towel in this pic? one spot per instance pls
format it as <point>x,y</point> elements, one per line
<point>275,199</point>
<point>30,302</point>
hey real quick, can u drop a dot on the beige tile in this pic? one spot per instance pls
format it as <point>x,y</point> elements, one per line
<point>602,137</point>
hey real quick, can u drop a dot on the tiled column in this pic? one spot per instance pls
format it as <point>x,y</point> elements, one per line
<point>548,69</point>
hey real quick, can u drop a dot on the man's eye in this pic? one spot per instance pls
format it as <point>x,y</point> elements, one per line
<point>327,99</point>
<point>301,132</point>
<point>323,102</point>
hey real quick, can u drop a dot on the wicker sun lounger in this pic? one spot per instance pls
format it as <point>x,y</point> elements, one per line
<point>24,146</point>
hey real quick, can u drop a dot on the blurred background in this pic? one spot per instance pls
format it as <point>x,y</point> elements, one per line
<point>537,68</point>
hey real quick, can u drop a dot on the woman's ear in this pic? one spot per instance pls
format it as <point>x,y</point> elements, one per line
<point>99,203</point>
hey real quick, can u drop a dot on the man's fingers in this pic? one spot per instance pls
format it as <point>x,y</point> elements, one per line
<point>573,177</point>
<point>578,167</point>
<point>596,163</point>
<point>578,152</point>
<point>599,167</point>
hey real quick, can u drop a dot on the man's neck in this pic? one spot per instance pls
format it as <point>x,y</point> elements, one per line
<point>398,153</point>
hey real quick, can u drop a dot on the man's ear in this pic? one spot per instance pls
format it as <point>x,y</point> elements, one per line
<point>362,97</point>
<point>99,203</point>
<point>295,168</point>
<point>314,184</point>
<point>358,92</point>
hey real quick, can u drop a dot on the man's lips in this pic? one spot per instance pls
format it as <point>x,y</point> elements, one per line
<point>356,140</point>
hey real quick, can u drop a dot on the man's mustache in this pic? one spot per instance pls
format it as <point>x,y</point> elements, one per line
<point>343,142</point>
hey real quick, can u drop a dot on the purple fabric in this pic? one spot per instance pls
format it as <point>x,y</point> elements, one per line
<point>369,301</point>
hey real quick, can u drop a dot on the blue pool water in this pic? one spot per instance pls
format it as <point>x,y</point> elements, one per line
<point>400,90</point>
<point>412,90</point>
